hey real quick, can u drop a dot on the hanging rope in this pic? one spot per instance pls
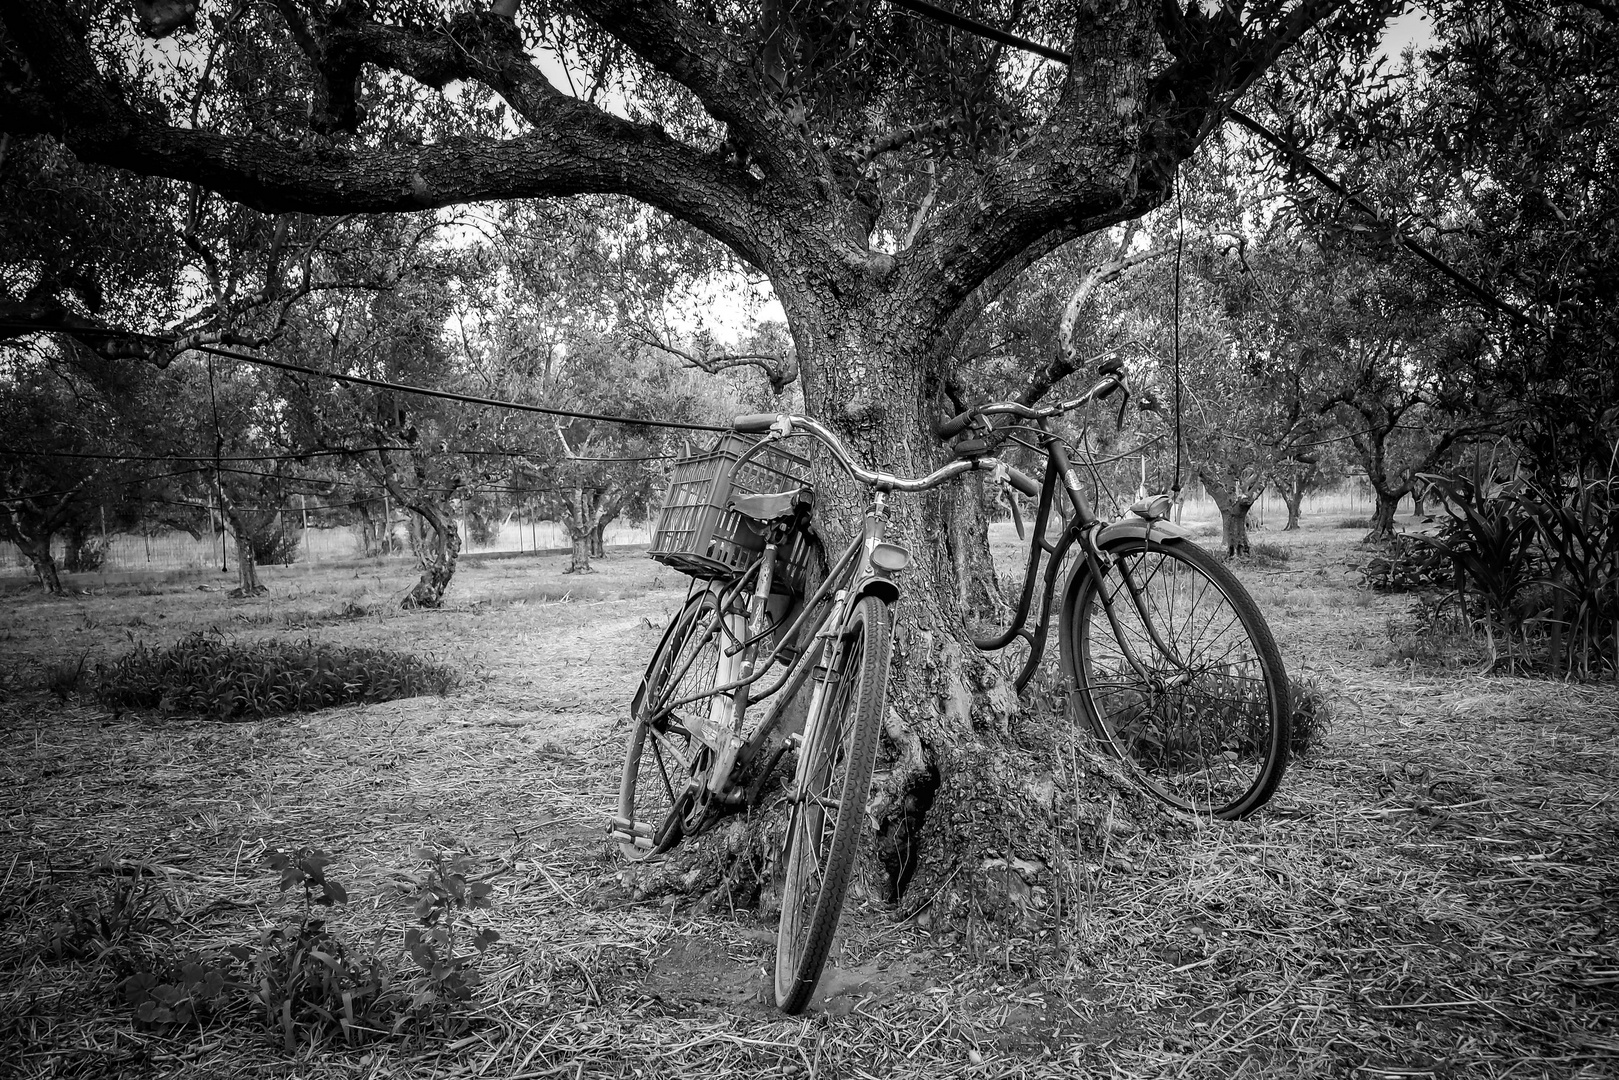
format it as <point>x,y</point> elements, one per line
<point>1180,245</point>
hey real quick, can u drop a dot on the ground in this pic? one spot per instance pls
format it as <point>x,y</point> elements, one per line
<point>1434,892</point>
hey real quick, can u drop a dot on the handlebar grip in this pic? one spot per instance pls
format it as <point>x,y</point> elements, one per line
<point>954,426</point>
<point>1111,367</point>
<point>753,423</point>
<point>1023,482</point>
<point>971,448</point>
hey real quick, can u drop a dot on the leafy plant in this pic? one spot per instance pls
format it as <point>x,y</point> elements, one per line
<point>196,985</point>
<point>303,976</point>
<point>127,901</point>
<point>1581,534</point>
<point>1493,544</point>
<point>444,900</point>
<point>1405,565</point>
<point>202,674</point>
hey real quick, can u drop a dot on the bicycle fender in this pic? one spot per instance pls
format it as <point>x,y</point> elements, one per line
<point>1137,528</point>
<point>882,588</point>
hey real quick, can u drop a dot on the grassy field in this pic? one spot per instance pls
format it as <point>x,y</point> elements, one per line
<point>1435,891</point>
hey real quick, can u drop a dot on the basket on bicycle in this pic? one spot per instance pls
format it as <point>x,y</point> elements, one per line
<point>698,534</point>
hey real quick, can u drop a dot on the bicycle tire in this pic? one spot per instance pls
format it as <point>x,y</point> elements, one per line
<point>834,770</point>
<point>661,753</point>
<point>1211,737</point>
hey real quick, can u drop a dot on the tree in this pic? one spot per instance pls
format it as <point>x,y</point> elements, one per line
<point>809,139</point>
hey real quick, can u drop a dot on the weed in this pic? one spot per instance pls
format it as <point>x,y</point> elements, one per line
<point>1312,715</point>
<point>127,901</point>
<point>444,900</point>
<point>303,976</point>
<point>193,986</point>
<point>203,675</point>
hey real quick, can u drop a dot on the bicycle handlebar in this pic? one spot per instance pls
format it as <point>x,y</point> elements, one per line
<point>787,423</point>
<point>1112,379</point>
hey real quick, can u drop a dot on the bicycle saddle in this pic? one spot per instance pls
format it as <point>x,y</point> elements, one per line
<point>771,506</point>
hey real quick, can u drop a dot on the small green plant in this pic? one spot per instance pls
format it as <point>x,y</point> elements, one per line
<point>127,901</point>
<point>1405,565</point>
<point>195,986</point>
<point>303,976</point>
<point>202,674</point>
<point>1360,523</point>
<point>443,902</point>
<point>1311,717</point>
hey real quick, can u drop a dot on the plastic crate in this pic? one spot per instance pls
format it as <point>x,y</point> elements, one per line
<point>699,535</point>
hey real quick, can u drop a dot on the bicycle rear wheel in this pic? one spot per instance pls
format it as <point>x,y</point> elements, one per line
<point>1204,726</point>
<point>829,797</point>
<point>662,755</point>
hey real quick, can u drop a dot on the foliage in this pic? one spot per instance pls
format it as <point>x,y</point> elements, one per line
<point>1405,565</point>
<point>1312,716</point>
<point>1542,565</point>
<point>195,984</point>
<point>443,902</point>
<point>126,902</point>
<point>1493,544</point>
<point>202,674</point>
<point>273,544</point>
<point>303,976</point>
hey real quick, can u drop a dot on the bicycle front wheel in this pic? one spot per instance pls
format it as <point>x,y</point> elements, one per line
<point>662,754</point>
<point>1188,688</point>
<point>829,797</point>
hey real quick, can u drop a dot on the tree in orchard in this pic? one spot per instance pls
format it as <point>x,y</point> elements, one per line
<point>887,174</point>
<point>1519,104</point>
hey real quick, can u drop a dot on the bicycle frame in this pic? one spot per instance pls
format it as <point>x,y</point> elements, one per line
<point>865,567</point>
<point>1088,530</point>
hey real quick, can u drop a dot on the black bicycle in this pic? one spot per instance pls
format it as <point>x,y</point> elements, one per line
<point>1166,657</point>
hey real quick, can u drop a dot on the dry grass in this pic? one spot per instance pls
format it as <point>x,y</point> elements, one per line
<point>1432,894</point>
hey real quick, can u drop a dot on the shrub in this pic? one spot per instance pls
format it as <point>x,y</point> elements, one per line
<point>1311,717</point>
<point>1361,523</point>
<point>274,546</point>
<point>202,674</point>
<point>1407,565</point>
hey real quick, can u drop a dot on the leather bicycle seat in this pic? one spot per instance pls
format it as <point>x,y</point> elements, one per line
<point>771,506</point>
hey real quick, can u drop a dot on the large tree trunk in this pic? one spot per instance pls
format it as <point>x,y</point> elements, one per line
<point>441,546</point>
<point>1383,516</point>
<point>1233,499</point>
<point>581,527</point>
<point>247,571</point>
<point>32,535</point>
<point>37,549</point>
<point>981,804</point>
<point>1293,495</point>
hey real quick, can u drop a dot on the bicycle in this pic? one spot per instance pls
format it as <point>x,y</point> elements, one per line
<point>748,633</point>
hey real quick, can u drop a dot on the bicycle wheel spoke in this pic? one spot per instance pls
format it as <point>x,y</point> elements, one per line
<point>1200,726</point>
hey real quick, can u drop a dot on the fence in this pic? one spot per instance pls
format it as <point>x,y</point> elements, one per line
<point>166,550</point>
<point>180,551</point>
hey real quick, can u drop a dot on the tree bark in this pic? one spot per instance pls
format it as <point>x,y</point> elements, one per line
<point>31,531</point>
<point>247,571</point>
<point>1388,502</point>
<point>38,552</point>
<point>581,527</point>
<point>1293,495</point>
<point>439,553</point>
<point>1234,498</point>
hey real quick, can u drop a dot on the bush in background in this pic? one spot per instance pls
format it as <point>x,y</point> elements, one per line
<point>202,674</point>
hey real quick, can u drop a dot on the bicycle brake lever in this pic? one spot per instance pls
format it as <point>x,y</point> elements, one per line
<point>1004,479</point>
<point>1124,400</point>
